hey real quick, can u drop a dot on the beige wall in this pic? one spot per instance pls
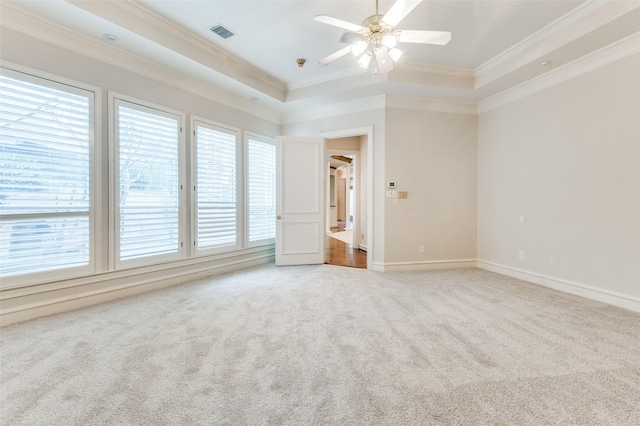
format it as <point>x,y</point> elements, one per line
<point>349,143</point>
<point>432,156</point>
<point>568,160</point>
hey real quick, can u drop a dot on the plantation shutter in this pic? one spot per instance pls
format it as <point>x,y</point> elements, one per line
<point>261,189</point>
<point>45,175</point>
<point>216,188</point>
<point>149,182</point>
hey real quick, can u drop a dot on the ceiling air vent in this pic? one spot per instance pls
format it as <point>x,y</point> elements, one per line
<point>222,31</point>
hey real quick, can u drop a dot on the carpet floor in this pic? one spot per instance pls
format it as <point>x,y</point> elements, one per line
<point>328,345</point>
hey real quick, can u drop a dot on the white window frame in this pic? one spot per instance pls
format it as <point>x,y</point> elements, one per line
<point>195,122</point>
<point>116,100</point>
<point>264,139</point>
<point>94,95</point>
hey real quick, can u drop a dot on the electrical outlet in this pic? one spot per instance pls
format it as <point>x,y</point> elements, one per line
<point>521,255</point>
<point>420,249</point>
<point>521,219</point>
<point>552,261</point>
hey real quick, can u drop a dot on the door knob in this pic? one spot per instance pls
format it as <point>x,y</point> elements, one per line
<point>279,217</point>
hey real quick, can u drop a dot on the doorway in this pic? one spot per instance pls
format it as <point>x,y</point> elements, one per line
<point>345,210</point>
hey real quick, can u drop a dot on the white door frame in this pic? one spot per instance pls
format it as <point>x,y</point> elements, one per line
<point>368,187</point>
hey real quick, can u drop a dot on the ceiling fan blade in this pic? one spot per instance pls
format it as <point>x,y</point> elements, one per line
<point>399,10</point>
<point>428,37</point>
<point>337,22</point>
<point>339,54</point>
<point>352,37</point>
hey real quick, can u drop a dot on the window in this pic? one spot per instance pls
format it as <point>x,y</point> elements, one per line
<point>53,215</point>
<point>216,188</point>
<point>261,189</point>
<point>46,137</point>
<point>148,198</point>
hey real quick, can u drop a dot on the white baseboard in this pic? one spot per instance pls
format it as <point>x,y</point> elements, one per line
<point>423,265</point>
<point>140,284</point>
<point>84,299</point>
<point>362,247</point>
<point>605,296</point>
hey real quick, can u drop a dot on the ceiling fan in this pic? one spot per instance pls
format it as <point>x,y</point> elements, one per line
<point>375,40</point>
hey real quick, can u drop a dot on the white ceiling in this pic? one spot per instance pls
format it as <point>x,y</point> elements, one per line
<point>260,60</point>
<point>272,34</point>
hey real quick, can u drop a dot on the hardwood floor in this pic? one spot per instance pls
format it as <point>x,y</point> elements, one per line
<point>343,254</point>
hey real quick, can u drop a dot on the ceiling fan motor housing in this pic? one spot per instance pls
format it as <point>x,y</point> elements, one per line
<point>372,20</point>
<point>375,30</point>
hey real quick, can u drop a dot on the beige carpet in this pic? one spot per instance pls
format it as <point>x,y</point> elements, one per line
<point>328,345</point>
<point>345,236</point>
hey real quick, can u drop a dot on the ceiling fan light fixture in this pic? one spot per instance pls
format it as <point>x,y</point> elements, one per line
<point>376,38</point>
<point>390,40</point>
<point>365,59</point>
<point>384,63</point>
<point>358,48</point>
<point>382,57</point>
<point>395,54</point>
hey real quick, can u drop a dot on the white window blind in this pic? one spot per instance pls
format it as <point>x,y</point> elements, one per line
<point>261,189</point>
<point>148,152</point>
<point>45,175</point>
<point>216,199</point>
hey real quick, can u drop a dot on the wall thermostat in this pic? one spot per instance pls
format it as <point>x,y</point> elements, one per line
<point>391,184</point>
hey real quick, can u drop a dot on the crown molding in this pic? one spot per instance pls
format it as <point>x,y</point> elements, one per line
<point>433,75</point>
<point>540,35</point>
<point>577,22</point>
<point>381,102</point>
<point>599,58</point>
<point>436,69</point>
<point>34,26</point>
<point>402,66</point>
<point>431,105</point>
<point>214,57</point>
<point>358,105</point>
<point>328,78</point>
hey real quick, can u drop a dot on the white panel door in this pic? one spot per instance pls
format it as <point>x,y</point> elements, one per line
<point>299,200</point>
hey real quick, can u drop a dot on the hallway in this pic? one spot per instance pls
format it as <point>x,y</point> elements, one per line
<point>343,254</point>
